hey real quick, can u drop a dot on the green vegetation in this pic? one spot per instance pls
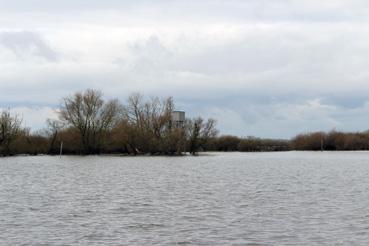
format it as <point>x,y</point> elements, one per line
<point>88,124</point>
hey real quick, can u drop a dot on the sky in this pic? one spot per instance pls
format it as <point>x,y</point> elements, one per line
<point>266,68</point>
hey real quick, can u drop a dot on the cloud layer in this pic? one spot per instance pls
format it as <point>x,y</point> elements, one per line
<point>265,68</point>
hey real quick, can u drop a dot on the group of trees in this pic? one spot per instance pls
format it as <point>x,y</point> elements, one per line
<point>248,144</point>
<point>88,124</point>
<point>10,128</point>
<point>333,140</point>
<point>330,141</point>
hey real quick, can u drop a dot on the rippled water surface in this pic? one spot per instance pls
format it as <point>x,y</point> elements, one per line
<point>293,198</point>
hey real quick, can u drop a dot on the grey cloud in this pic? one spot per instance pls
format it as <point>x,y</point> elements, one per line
<point>212,10</point>
<point>268,68</point>
<point>285,120</point>
<point>25,43</point>
<point>150,56</point>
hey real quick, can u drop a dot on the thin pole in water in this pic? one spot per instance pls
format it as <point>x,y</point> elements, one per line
<point>61,149</point>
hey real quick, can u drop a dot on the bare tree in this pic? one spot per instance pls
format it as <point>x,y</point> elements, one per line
<point>52,131</point>
<point>134,110</point>
<point>10,128</point>
<point>199,133</point>
<point>91,116</point>
<point>148,123</point>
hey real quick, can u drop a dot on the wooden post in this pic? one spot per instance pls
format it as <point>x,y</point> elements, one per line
<point>61,149</point>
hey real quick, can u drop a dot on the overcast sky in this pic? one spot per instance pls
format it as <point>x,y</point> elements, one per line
<point>268,68</point>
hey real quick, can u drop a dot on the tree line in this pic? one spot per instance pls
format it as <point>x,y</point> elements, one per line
<point>333,140</point>
<point>246,144</point>
<point>88,124</point>
<point>314,141</point>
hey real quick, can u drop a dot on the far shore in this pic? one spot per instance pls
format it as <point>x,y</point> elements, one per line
<point>207,153</point>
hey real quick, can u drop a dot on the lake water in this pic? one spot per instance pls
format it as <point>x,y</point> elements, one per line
<point>291,198</point>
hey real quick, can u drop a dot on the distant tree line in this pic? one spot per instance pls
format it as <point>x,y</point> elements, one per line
<point>333,140</point>
<point>315,141</point>
<point>88,124</point>
<point>246,144</point>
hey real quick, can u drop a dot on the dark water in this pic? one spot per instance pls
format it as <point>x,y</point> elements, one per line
<point>220,199</point>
